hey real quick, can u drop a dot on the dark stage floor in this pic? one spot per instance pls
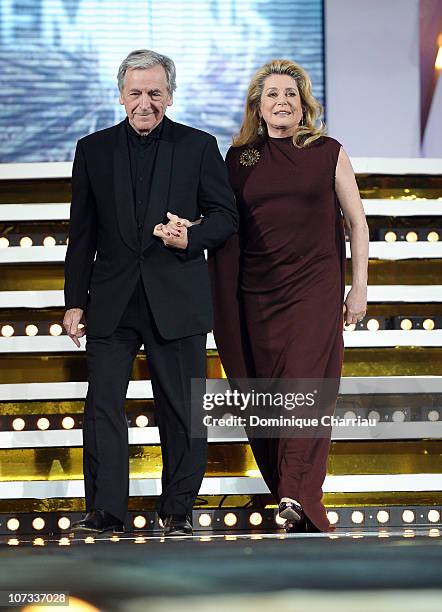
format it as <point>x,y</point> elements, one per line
<point>364,570</point>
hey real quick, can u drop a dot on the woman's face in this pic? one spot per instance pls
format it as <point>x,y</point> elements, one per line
<point>281,106</point>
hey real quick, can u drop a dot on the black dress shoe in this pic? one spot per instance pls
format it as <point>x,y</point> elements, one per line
<point>98,521</point>
<point>177,524</point>
<point>292,511</point>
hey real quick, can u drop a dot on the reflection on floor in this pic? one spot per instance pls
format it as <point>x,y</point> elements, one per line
<point>233,570</point>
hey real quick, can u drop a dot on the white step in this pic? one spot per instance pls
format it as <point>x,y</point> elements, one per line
<point>59,211</point>
<point>142,389</point>
<point>361,165</point>
<point>376,293</point>
<point>240,485</point>
<point>377,250</point>
<point>352,339</point>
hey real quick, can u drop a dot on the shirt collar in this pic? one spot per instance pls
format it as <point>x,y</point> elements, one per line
<point>155,134</point>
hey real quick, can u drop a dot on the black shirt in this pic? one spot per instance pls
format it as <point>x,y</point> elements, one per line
<point>142,155</point>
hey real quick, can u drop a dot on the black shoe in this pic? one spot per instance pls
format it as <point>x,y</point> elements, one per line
<point>292,511</point>
<point>98,521</point>
<point>177,524</point>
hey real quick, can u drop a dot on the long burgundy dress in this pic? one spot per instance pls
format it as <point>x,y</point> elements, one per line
<point>278,289</point>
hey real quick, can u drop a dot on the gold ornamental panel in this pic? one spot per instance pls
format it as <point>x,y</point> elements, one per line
<point>234,459</point>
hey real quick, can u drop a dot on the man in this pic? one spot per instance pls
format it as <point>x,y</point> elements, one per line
<point>137,280</point>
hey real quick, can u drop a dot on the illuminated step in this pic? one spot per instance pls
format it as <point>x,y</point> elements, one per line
<point>228,485</point>
<point>352,339</point>
<point>51,344</point>
<point>415,430</point>
<point>142,389</point>
<point>403,208</point>
<point>361,165</point>
<point>377,250</point>
<point>406,207</point>
<point>396,165</point>
<point>376,293</point>
<point>35,212</point>
<point>396,250</point>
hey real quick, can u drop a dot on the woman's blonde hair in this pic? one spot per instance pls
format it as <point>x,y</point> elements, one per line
<point>311,128</point>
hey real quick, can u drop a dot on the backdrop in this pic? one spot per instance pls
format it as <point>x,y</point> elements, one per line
<point>59,60</point>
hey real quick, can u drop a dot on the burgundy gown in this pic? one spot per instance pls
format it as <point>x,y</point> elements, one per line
<point>278,289</point>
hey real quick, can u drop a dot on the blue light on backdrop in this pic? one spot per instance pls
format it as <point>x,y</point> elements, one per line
<point>59,61</point>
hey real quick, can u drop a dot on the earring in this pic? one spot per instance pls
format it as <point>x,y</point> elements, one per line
<point>260,130</point>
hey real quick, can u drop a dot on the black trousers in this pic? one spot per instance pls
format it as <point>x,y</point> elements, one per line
<point>172,365</point>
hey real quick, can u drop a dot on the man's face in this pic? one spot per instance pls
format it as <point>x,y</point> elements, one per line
<point>145,97</point>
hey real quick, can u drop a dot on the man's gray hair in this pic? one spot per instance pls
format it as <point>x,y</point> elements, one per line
<point>144,58</point>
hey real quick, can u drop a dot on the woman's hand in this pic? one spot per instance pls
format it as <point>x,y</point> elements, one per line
<point>355,305</point>
<point>171,237</point>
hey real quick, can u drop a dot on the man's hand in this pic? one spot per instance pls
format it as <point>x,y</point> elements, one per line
<point>71,323</point>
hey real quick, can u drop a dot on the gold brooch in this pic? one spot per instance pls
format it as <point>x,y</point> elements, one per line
<point>249,157</point>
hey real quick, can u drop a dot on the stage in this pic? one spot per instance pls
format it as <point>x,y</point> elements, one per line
<point>358,569</point>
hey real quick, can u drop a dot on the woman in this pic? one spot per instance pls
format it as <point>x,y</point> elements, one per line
<point>279,284</point>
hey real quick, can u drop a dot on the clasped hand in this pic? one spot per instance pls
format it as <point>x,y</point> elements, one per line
<point>174,233</point>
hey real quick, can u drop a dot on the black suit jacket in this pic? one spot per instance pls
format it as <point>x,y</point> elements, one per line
<point>105,254</point>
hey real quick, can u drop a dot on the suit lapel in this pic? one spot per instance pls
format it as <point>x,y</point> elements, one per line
<point>160,186</point>
<point>124,199</point>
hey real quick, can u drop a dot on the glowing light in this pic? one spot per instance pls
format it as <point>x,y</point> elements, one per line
<point>279,520</point>
<point>26,242</point>
<point>64,522</point>
<point>433,236</point>
<point>351,327</point>
<point>398,416</point>
<point>433,415</point>
<point>89,540</point>
<point>13,524</point>
<point>68,422</point>
<point>49,241</point>
<point>38,523</point>
<point>31,330</point>
<point>390,237</point>
<point>438,62</point>
<point>43,423</point>
<point>230,519</point>
<point>383,516</point>
<point>4,242</point>
<point>406,324</point>
<point>374,414</point>
<point>13,542</point>
<point>428,324</point>
<point>255,519</point>
<point>350,414</point>
<point>357,517</point>
<point>140,522</point>
<point>55,329</point>
<point>38,542</point>
<point>18,424</point>
<point>411,237</point>
<point>373,325</point>
<point>142,420</point>
<point>408,516</point>
<point>434,516</point>
<point>64,541</point>
<point>333,517</point>
<point>205,520</point>
<point>7,331</point>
